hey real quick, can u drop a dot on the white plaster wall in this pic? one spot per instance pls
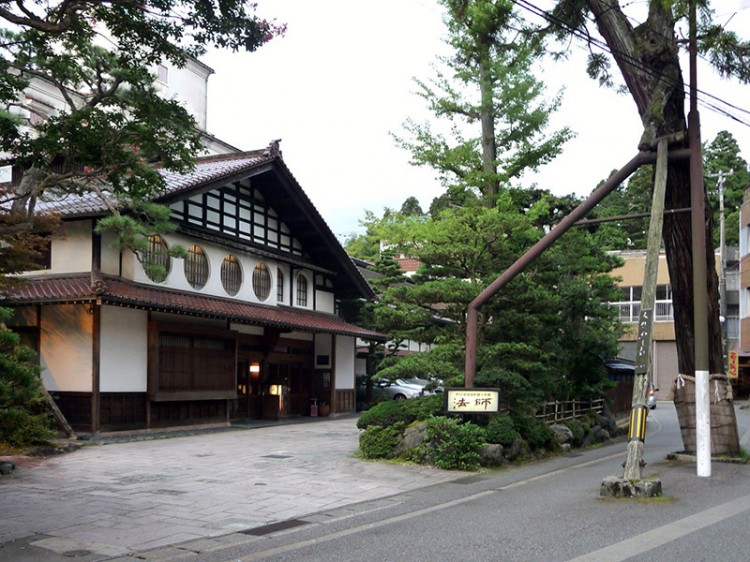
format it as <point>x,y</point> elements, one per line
<point>324,302</point>
<point>71,249</point>
<point>71,252</point>
<point>323,346</point>
<point>189,86</point>
<point>110,261</point>
<point>124,350</point>
<point>65,348</point>
<point>345,356</point>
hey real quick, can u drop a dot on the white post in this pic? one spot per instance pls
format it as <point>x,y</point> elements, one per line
<point>702,423</point>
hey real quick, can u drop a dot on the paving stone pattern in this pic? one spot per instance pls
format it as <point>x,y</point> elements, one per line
<point>126,497</point>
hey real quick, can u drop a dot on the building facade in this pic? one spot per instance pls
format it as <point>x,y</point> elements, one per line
<point>246,325</point>
<point>664,346</point>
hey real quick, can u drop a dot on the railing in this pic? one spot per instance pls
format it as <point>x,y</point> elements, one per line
<point>629,311</point>
<point>556,412</point>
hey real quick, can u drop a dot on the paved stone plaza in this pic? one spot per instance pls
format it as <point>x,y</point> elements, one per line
<point>119,498</point>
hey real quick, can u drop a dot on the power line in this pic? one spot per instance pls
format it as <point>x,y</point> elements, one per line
<point>602,45</point>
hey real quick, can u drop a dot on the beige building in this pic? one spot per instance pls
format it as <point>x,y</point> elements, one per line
<point>664,347</point>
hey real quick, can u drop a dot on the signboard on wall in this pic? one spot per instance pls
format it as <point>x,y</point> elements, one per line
<point>733,365</point>
<point>472,400</point>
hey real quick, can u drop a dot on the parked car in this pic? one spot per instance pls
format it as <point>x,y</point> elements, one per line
<point>430,386</point>
<point>399,389</point>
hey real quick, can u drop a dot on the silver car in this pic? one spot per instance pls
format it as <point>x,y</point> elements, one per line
<point>399,389</point>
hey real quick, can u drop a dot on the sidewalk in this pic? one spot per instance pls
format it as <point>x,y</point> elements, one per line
<point>111,500</point>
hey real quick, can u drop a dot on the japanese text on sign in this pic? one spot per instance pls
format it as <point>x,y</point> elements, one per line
<point>733,365</point>
<point>469,400</point>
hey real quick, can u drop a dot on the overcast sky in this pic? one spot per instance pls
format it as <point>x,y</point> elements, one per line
<point>342,77</point>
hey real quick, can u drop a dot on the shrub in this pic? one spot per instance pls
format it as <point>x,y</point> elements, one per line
<point>453,445</point>
<point>24,417</point>
<point>378,442</point>
<point>400,411</point>
<point>578,430</point>
<point>500,430</point>
<point>536,433</point>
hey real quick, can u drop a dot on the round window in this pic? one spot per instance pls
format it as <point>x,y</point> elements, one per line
<point>261,281</point>
<point>196,267</point>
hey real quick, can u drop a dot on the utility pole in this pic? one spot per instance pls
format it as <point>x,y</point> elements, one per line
<point>700,290</point>
<point>722,261</point>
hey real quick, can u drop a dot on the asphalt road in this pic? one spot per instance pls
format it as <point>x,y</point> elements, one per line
<point>546,511</point>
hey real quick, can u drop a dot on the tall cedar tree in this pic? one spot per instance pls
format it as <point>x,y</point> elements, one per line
<point>648,57</point>
<point>487,83</point>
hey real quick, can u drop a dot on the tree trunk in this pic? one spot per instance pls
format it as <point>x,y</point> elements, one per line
<point>648,58</point>
<point>487,119</point>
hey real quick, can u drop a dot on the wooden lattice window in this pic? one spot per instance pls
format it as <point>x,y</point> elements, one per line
<point>261,281</point>
<point>196,267</point>
<point>156,260</point>
<point>279,286</point>
<point>301,290</point>
<point>231,275</point>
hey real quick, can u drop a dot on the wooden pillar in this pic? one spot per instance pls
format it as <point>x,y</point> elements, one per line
<point>332,391</point>
<point>95,367</point>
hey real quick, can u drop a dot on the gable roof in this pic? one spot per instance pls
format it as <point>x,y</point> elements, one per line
<point>111,290</point>
<point>280,189</point>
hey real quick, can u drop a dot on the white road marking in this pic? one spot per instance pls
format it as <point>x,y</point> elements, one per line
<point>660,536</point>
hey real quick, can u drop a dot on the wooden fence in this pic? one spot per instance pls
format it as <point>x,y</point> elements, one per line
<point>556,412</point>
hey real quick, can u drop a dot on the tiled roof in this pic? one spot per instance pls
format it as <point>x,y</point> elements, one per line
<point>120,292</point>
<point>207,169</point>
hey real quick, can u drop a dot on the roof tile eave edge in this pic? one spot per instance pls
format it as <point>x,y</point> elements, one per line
<point>128,302</point>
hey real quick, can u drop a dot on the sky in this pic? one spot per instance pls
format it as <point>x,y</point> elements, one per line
<point>341,80</point>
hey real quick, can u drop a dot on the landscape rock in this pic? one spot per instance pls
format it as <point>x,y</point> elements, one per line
<point>518,450</point>
<point>492,455</point>
<point>6,467</point>
<point>597,435</point>
<point>413,437</point>
<point>563,433</point>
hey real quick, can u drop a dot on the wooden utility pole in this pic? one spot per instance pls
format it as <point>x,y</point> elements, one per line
<point>639,410</point>
<point>700,290</point>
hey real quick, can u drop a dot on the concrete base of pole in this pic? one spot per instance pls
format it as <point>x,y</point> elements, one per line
<point>619,487</point>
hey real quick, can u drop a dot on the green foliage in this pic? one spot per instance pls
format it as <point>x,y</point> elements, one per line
<point>453,445</point>
<point>578,429</point>
<point>489,100</point>
<point>392,412</point>
<point>501,430</point>
<point>24,418</point>
<point>534,431</point>
<point>112,124</point>
<point>378,442</point>
<point>630,198</point>
<point>722,160</point>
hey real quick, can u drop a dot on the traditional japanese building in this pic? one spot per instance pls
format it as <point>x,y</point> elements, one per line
<point>249,324</point>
